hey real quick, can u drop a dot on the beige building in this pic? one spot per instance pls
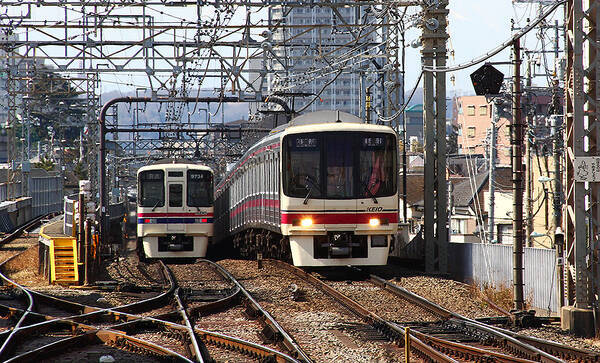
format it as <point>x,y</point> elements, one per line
<point>474,118</point>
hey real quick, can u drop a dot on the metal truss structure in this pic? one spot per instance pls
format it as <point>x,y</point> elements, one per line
<point>434,118</point>
<point>582,137</point>
<point>177,48</point>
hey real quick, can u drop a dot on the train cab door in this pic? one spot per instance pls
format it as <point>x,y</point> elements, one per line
<point>175,207</point>
<point>340,203</point>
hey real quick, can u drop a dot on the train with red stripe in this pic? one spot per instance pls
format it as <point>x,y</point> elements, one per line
<point>320,190</point>
<point>174,210</point>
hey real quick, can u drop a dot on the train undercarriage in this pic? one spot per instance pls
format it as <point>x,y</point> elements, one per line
<point>251,242</point>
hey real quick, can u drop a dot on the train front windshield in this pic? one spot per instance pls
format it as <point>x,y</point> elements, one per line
<point>341,165</point>
<point>152,188</point>
<point>199,188</point>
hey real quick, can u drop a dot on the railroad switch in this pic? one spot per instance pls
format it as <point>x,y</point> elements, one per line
<point>524,319</point>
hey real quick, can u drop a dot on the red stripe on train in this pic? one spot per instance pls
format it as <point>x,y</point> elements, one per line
<point>161,214</point>
<point>339,218</point>
<point>255,203</point>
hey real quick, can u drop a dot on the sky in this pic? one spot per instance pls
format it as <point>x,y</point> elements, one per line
<point>475,27</point>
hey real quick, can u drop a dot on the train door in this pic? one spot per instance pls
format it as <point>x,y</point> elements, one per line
<point>175,207</point>
<point>340,181</point>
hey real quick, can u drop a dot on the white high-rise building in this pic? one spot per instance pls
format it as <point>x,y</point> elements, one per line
<point>313,57</point>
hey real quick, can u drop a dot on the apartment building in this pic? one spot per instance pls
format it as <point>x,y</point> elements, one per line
<point>474,118</point>
<point>308,51</point>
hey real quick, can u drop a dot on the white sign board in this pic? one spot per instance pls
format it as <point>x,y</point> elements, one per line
<point>587,168</point>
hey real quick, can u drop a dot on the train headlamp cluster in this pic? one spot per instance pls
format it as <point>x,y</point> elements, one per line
<point>374,222</point>
<point>306,222</point>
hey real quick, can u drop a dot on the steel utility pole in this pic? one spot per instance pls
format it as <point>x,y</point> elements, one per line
<point>516,141</point>
<point>492,170</point>
<point>528,182</point>
<point>582,194</point>
<point>434,39</point>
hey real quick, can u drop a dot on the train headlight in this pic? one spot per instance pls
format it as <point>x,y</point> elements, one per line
<point>374,222</point>
<point>306,222</point>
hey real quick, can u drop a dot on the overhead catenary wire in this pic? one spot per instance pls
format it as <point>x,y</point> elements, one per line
<point>499,48</point>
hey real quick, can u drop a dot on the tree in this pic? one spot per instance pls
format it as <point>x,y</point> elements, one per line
<point>416,146</point>
<point>452,141</point>
<point>46,164</point>
<point>80,171</point>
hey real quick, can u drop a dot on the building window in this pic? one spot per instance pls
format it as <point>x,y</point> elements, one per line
<point>470,110</point>
<point>483,110</point>
<point>471,131</point>
<point>471,149</point>
<point>459,226</point>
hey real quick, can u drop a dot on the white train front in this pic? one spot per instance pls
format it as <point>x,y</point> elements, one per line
<point>175,210</point>
<point>321,190</point>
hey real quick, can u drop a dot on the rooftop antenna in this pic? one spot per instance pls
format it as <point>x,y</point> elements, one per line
<point>337,116</point>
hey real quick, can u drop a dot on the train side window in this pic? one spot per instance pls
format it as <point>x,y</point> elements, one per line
<point>175,195</point>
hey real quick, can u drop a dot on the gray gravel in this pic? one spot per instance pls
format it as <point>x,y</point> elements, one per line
<point>325,330</point>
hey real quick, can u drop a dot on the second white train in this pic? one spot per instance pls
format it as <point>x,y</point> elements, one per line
<point>175,210</point>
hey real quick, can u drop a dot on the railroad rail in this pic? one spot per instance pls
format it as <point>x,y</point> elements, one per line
<point>533,348</point>
<point>81,323</point>
<point>523,351</point>
<point>393,331</point>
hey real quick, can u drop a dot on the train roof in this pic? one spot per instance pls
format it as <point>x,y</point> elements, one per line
<point>328,121</point>
<point>175,166</point>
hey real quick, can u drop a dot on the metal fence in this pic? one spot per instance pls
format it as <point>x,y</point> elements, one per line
<point>15,190</point>
<point>69,209</point>
<point>492,265</point>
<point>46,194</point>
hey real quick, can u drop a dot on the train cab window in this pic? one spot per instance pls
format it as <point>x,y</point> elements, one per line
<point>175,195</point>
<point>152,189</point>
<point>302,165</point>
<point>377,160</point>
<point>199,188</point>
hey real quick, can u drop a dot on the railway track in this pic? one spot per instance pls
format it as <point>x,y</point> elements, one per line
<point>446,334</point>
<point>161,316</point>
<point>40,326</point>
<point>520,345</point>
<point>326,330</point>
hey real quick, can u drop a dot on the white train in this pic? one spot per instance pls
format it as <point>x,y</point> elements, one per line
<point>320,190</point>
<point>174,210</point>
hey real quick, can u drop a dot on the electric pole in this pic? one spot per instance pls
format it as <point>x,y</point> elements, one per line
<point>434,119</point>
<point>492,170</point>
<point>516,141</point>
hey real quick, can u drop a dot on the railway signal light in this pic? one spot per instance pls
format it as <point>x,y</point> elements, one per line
<point>487,80</point>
